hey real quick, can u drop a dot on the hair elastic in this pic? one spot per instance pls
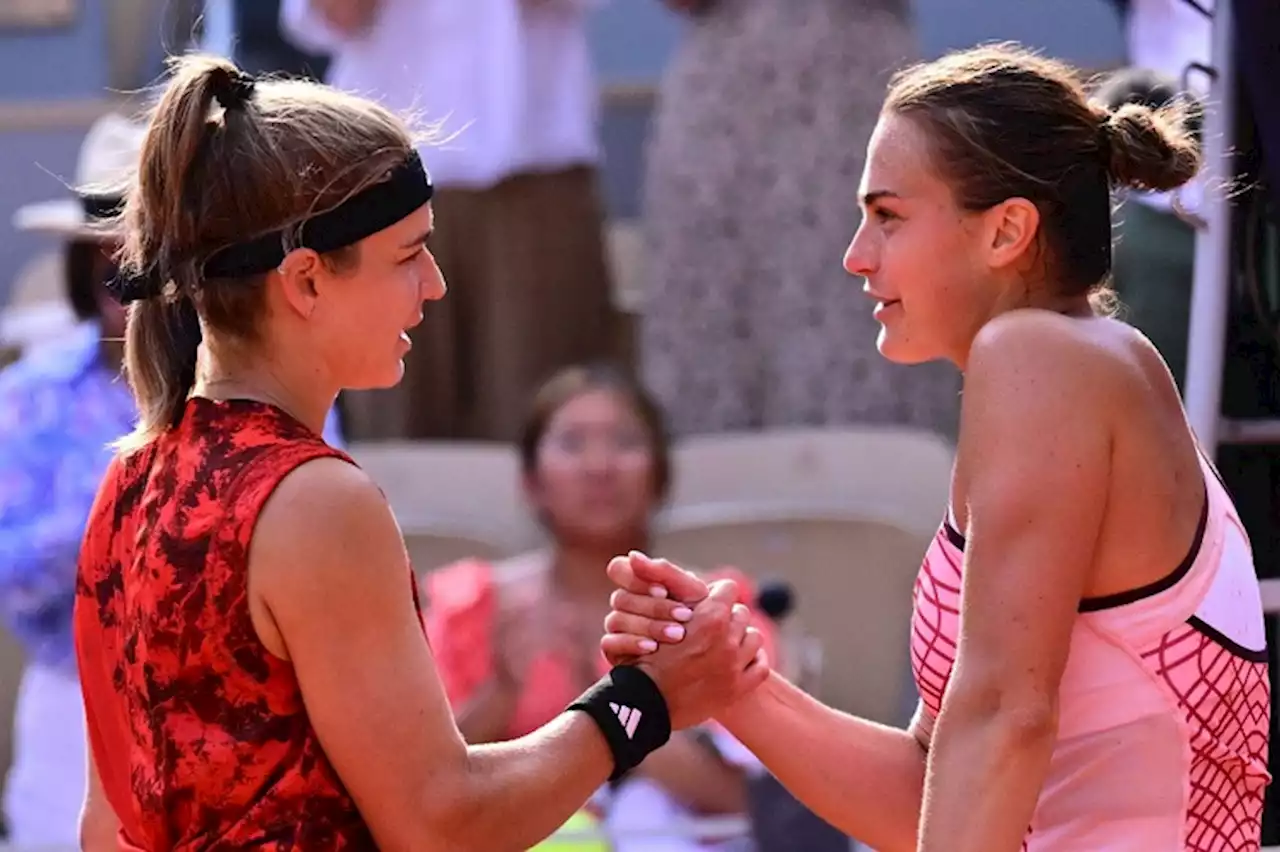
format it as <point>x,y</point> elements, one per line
<point>232,89</point>
<point>632,714</point>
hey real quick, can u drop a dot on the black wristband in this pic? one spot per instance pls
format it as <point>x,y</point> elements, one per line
<point>631,713</point>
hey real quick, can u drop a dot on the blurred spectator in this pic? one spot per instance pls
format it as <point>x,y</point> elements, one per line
<point>248,33</point>
<point>517,641</point>
<point>62,404</point>
<point>1153,268</point>
<point>519,224</point>
<point>60,408</point>
<point>751,199</point>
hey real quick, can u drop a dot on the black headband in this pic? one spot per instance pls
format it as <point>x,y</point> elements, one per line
<point>366,213</point>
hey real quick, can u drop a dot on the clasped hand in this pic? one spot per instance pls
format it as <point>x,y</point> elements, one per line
<point>693,638</point>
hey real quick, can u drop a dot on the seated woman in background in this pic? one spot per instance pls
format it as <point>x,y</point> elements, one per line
<point>517,639</point>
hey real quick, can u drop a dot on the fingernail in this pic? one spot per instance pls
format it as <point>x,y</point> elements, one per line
<point>658,591</point>
<point>675,632</point>
<point>648,645</point>
<point>682,613</point>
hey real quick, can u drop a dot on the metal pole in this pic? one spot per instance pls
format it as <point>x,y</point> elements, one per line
<point>1211,288</point>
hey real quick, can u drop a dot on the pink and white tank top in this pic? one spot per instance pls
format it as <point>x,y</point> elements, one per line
<point>1165,701</point>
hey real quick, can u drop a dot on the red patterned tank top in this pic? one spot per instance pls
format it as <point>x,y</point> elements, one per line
<point>198,731</point>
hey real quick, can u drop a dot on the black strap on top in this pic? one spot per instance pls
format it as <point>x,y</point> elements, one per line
<point>406,188</point>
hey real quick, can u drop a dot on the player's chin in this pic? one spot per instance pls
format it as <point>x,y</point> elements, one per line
<point>893,347</point>
<point>896,343</point>
<point>384,376</point>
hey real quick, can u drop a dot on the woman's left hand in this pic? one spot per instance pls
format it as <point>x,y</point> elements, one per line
<point>654,600</point>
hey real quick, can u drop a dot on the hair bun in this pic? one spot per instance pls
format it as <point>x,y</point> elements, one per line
<point>1149,149</point>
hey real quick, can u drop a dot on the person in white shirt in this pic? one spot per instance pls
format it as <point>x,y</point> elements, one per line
<point>519,223</point>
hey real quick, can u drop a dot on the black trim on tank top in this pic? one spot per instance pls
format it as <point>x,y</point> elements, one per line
<point>1119,598</point>
<point>953,535</point>
<point>1229,644</point>
<point>1164,583</point>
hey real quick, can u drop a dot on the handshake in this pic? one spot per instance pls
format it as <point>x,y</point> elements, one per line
<point>691,638</point>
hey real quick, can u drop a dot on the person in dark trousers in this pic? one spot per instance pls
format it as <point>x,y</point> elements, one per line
<point>262,49</point>
<point>248,33</point>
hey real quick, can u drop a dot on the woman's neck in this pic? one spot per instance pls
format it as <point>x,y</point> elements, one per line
<point>222,378</point>
<point>1078,307</point>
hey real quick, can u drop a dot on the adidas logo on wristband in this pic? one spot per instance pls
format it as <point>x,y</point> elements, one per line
<point>628,716</point>
<point>617,703</point>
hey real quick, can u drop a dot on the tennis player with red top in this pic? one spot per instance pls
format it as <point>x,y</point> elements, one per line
<point>254,667</point>
<point>1087,636</point>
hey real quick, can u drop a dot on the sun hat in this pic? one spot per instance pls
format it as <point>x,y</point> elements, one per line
<point>108,159</point>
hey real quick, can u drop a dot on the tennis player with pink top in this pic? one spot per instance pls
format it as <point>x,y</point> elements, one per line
<point>1087,638</point>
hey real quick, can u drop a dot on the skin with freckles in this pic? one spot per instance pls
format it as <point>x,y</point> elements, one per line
<point>1076,475</point>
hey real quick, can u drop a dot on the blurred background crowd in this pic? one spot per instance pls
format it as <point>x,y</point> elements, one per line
<point>649,340</point>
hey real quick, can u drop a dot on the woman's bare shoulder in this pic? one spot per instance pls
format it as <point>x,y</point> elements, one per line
<point>323,508</point>
<point>1088,357</point>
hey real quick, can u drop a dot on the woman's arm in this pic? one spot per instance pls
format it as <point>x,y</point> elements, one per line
<point>329,575</point>
<point>461,608</point>
<point>1035,449</point>
<point>99,825</point>
<point>863,778</point>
